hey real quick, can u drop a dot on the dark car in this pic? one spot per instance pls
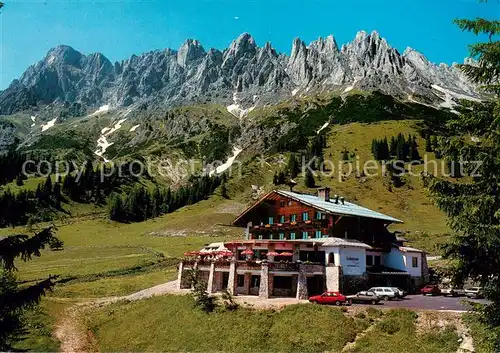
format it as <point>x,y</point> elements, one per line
<point>329,298</point>
<point>431,289</point>
<point>364,297</point>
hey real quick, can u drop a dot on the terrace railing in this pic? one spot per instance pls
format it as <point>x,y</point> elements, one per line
<point>249,265</point>
<point>284,266</point>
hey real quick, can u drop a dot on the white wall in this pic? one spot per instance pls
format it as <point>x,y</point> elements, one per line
<point>413,271</point>
<point>395,259</point>
<point>336,254</point>
<point>353,261</point>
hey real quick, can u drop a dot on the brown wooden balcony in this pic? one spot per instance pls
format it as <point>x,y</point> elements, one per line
<point>249,265</point>
<point>284,266</point>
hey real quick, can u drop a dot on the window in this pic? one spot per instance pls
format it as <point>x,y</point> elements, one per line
<point>293,218</point>
<point>377,260</point>
<point>318,215</point>
<point>283,282</point>
<point>240,280</point>
<point>255,281</point>
<point>271,236</point>
<point>282,236</point>
<point>305,235</point>
<point>369,260</point>
<point>282,219</point>
<point>260,236</point>
<point>414,261</point>
<point>282,203</point>
<point>271,220</point>
<point>305,216</point>
<point>290,203</point>
<point>292,235</point>
<point>318,234</point>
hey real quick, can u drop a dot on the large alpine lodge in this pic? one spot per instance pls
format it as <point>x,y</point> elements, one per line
<point>297,245</point>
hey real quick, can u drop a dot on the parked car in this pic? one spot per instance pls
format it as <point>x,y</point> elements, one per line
<point>400,293</point>
<point>384,293</point>
<point>474,292</point>
<point>452,291</point>
<point>364,297</point>
<point>329,298</point>
<point>431,289</point>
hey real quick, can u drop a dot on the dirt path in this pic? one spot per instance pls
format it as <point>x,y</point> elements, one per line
<point>71,330</point>
<point>73,334</point>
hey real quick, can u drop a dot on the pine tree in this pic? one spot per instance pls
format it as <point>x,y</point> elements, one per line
<point>116,209</point>
<point>309,179</point>
<point>19,180</point>
<point>57,195</point>
<point>473,207</point>
<point>223,190</point>
<point>293,166</point>
<point>414,155</point>
<point>14,300</point>
<point>434,142</point>
<point>428,144</point>
<point>47,186</point>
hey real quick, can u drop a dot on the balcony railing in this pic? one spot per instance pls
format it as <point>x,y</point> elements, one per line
<point>284,266</point>
<point>249,265</point>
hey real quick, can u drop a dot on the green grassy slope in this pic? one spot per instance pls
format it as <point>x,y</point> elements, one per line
<point>178,327</point>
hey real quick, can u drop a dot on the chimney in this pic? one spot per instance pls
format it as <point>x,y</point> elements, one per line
<point>291,184</point>
<point>336,197</point>
<point>342,199</point>
<point>324,194</point>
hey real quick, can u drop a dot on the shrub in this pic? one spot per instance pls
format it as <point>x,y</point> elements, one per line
<point>389,326</point>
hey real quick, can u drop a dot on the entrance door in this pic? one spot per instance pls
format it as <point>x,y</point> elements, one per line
<point>315,285</point>
<point>225,279</point>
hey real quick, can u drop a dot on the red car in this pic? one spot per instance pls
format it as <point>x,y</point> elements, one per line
<point>431,289</point>
<point>329,298</point>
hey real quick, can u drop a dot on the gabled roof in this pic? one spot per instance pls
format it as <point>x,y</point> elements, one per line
<point>348,209</point>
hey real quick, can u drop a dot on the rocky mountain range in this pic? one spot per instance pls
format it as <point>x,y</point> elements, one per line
<point>240,77</point>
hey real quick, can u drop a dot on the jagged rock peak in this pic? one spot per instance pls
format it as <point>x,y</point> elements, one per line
<point>327,45</point>
<point>63,54</point>
<point>190,51</point>
<point>298,46</point>
<point>243,44</point>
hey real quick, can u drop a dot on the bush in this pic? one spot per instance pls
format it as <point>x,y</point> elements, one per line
<point>389,326</point>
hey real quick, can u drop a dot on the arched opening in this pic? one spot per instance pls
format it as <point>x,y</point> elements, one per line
<point>331,259</point>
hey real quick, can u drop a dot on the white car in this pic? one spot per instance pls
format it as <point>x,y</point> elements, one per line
<point>400,293</point>
<point>474,292</point>
<point>385,293</point>
<point>454,292</point>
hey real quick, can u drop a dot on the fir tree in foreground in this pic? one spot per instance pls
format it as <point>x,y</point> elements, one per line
<point>16,299</point>
<point>473,207</point>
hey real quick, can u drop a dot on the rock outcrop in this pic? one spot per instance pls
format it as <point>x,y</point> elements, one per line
<point>252,74</point>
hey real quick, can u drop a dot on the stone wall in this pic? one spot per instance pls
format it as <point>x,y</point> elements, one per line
<point>332,278</point>
<point>266,284</point>
<point>354,284</point>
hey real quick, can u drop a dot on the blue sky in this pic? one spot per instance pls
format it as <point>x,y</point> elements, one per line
<point>120,28</point>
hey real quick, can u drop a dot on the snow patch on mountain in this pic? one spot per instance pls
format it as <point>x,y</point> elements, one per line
<point>294,92</point>
<point>323,127</point>
<point>450,97</point>
<point>133,128</point>
<point>49,124</point>
<point>236,109</point>
<point>228,163</point>
<point>102,109</point>
<point>347,89</point>
<point>102,142</point>
<point>33,119</point>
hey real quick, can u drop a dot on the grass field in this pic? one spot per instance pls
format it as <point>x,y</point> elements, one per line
<point>171,323</point>
<point>102,258</point>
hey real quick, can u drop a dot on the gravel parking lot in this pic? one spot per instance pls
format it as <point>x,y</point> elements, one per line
<point>430,303</point>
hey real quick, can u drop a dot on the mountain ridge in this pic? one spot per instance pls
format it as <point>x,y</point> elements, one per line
<point>242,75</point>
